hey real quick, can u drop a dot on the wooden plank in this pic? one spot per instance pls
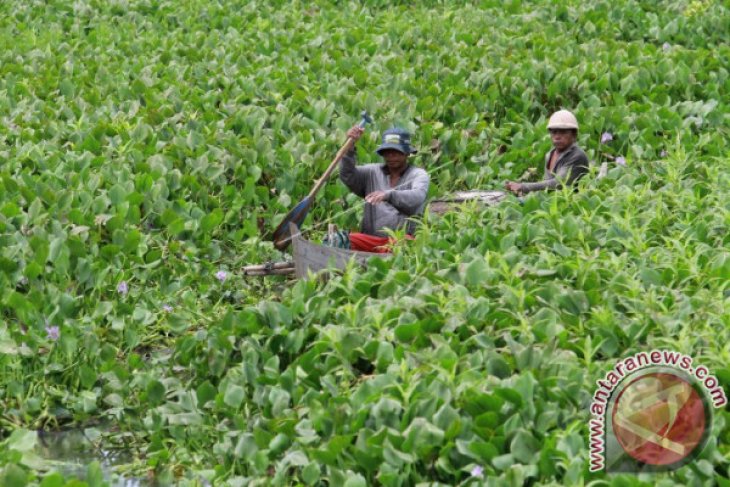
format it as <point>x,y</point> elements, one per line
<point>274,272</point>
<point>269,266</point>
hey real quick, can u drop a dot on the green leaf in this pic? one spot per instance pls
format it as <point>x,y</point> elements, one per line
<point>295,458</point>
<point>22,440</point>
<point>155,392</point>
<point>234,396</point>
<point>509,394</point>
<point>13,476</point>
<point>132,241</point>
<point>57,243</point>
<point>407,332</point>
<point>117,194</point>
<point>87,376</point>
<point>355,480</point>
<point>485,452</point>
<point>279,443</point>
<point>311,474</point>
<point>211,220</point>
<point>503,462</point>
<point>477,272</point>
<point>94,475</point>
<point>53,479</point>
<point>498,367</point>
<point>445,417</point>
<point>279,400</point>
<point>422,436</point>
<point>205,392</point>
<point>66,88</point>
<point>490,420</point>
<point>650,277</point>
<point>396,457</point>
<point>33,270</point>
<point>246,447</point>
<point>384,355</point>
<point>524,447</point>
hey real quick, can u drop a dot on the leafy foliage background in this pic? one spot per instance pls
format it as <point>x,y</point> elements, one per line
<point>151,142</point>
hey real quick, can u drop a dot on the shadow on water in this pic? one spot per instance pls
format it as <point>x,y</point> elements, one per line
<point>70,452</point>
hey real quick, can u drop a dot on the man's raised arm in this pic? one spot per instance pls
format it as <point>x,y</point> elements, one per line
<point>354,177</point>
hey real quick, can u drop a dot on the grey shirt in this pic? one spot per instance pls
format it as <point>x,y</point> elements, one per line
<point>570,166</point>
<point>406,199</point>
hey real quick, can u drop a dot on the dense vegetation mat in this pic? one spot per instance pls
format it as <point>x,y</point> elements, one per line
<point>145,146</point>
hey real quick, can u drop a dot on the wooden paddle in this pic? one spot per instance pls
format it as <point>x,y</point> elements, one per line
<point>282,234</point>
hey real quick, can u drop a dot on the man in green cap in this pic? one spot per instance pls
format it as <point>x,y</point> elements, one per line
<point>564,163</point>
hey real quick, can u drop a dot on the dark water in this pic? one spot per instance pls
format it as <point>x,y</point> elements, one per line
<point>70,452</point>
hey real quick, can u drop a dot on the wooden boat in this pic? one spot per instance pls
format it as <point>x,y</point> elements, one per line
<point>450,203</point>
<point>310,257</point>
<point>314,258</point>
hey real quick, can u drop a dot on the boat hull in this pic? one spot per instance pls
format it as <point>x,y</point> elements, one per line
<point>310,257</point>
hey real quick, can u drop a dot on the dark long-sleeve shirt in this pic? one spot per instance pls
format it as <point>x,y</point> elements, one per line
<point>571,165</point>
<point>406,199</point>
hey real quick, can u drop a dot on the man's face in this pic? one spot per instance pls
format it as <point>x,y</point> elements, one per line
<point>394,159</point>
<point>562,138</point>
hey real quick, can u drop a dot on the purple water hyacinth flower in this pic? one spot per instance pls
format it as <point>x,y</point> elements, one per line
<point>123,288</point>
<point>663,153</point>
<point>606,137</point>
<point>620,160</point>
<point>477,472</point>
<point>167,308</point>
<point>53,333</point>
<point>221,276</point>
<point>666,46</point>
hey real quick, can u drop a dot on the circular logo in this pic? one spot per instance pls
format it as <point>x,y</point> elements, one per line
<point>660,419</point>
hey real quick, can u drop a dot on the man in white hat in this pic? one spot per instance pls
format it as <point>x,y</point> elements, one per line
<point>564,163</point>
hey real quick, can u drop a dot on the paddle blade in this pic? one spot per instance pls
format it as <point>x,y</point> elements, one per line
<point>282,234</point>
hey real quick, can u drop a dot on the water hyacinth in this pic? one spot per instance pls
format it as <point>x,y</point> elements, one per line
<point>188,146</point>
<point>666,46</point>
<point>663,153</point>
<point>123,288</point>
<point>606,137</point>
<point>620,160</point>
<point>53,333</point>
<point>221,276</point>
